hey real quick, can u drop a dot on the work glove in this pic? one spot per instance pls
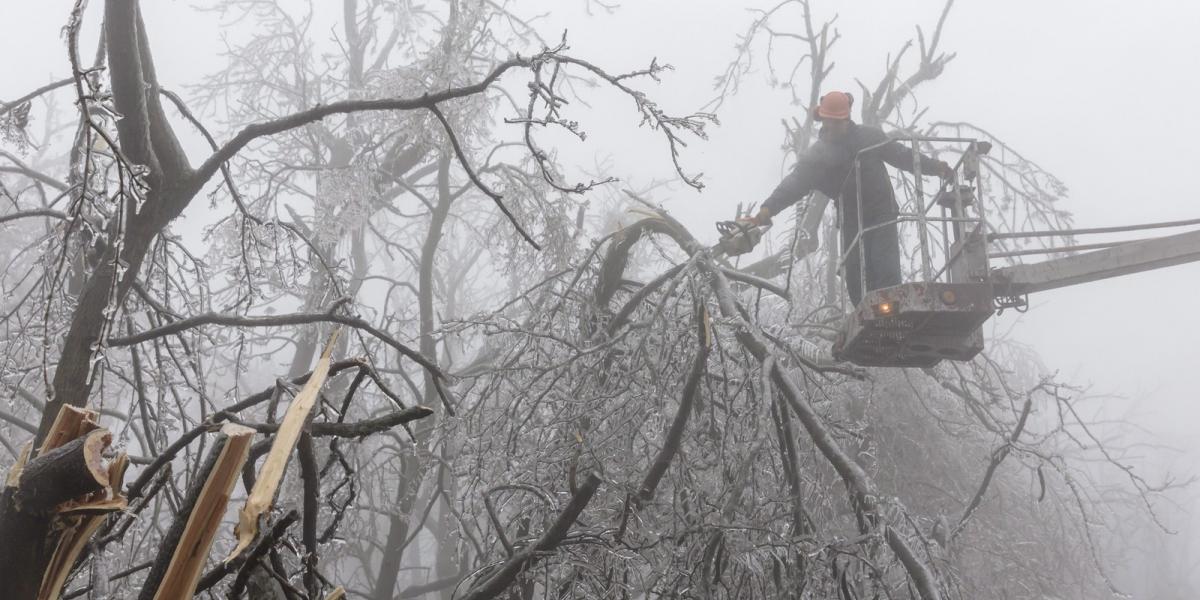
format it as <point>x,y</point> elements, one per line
<point>943,169</point>
<point>760,219</point>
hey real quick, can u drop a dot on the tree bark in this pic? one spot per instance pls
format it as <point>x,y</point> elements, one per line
<point>493,586</point>
<point>393,548</point>
<point>184,548</point>
<point>27,536</point>
<point>148,140</point>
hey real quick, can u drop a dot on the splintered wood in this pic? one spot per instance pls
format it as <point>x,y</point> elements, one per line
<point>263,495</point>
<point>14,473</point>
<point>190,553</point>
<point>82,520</point>
<point>69,424</point>
<point>69,480</point>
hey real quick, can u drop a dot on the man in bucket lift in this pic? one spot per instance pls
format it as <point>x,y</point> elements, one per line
<point>828,166</point>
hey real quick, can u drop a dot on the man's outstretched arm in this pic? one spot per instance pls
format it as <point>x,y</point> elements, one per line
<point>794,187</point>
<point>901,156</point>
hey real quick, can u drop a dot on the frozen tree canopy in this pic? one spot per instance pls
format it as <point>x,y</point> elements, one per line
<point>382,299</point>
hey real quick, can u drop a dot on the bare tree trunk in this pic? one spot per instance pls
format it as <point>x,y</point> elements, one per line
<point>412,471</point>
<point>398,531</point>
<point>146,139</point>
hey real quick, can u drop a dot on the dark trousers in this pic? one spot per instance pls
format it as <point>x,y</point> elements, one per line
<point>882,251</point>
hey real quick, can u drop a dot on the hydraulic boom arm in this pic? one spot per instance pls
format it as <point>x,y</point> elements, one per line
<point>1122,259</point>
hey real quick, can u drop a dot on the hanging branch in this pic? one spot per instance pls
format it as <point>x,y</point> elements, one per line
<point>998,456</point>
<point>507,574</point>
<point>864,495</point>
<point>462,159</point>
<point>674,437</point>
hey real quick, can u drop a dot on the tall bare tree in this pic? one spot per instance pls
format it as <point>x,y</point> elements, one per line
<point>153,335</point>
<point>531,397</point>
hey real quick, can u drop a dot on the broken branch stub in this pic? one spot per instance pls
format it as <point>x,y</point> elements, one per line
<point>54,502</point>
<point>263,495</point>
<point>69,471</point>
<point>79,521</point>
<point>193,542</point>
<point>69,424</point>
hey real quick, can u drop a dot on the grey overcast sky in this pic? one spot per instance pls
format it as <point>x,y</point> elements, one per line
<point>1100,92</point>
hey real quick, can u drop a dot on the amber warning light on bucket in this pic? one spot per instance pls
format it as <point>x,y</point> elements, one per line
<point>885,309</point>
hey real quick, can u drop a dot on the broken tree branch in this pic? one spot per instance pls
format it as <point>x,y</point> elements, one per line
<point>263,495</point>
<point>184,549</point>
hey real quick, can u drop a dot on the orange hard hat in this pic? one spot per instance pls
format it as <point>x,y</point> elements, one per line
<point>834,105</point>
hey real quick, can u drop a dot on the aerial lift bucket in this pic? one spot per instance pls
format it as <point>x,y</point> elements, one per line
<point>938,317</point>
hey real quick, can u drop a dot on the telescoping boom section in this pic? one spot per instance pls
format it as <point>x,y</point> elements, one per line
<point>1120,259</point>
<point>940,315</point>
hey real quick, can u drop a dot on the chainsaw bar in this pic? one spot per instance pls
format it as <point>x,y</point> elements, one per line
<point>737,237</point>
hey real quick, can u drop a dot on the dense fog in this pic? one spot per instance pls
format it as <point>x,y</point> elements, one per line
<point>469,299</point>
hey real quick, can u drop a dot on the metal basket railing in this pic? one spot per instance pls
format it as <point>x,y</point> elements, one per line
<point>952,226</point>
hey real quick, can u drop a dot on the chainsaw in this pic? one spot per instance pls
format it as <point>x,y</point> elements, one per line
<point>738,237</point>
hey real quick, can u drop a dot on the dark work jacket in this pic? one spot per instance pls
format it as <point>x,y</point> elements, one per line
<point>827,166</point>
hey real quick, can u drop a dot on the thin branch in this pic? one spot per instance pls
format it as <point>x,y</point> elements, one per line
<point>357,429</point>
<point>674,438</point>
<point>466,165</point>
<point>427,100</point>
<point>7,106</point>
<point>997,457</point>
<point>21,168</point>
<point>275,321</point>
<point>40,212</point>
